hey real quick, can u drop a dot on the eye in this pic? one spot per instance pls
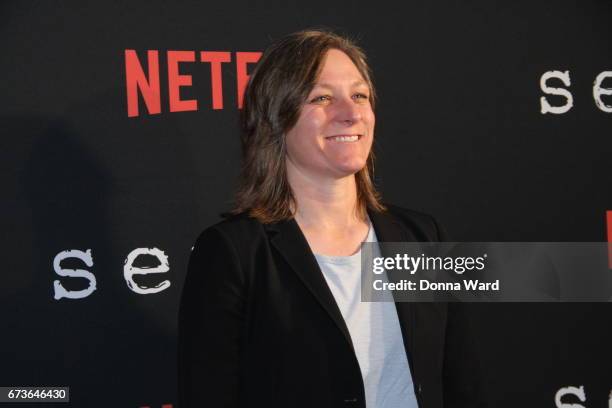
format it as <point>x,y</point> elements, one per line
<point>361,96</point>
<point>321,98</point>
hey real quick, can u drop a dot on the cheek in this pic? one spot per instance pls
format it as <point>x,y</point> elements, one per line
<point>314,120</point>
<point>304,135</point>
<point>310,129</point>
<point>371,119</point>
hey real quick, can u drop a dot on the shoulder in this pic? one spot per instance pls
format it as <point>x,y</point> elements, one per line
<point>408,215</point>
<point>235,230</point>
<point>229,246</point>
<point>422,225</point>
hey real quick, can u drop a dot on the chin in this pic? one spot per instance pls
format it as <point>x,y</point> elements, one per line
<point>349,170</point>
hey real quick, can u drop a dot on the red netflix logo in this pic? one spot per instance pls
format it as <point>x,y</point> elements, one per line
<point>609,225</point>
<point>163,406</point>
<point>146,81</point>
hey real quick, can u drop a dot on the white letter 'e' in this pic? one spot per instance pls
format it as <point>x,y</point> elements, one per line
<point>577,391</point>
<point>129,271</point>
<point>598,91</point>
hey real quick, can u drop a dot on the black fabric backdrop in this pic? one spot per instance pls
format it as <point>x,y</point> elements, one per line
<point>459,135</point>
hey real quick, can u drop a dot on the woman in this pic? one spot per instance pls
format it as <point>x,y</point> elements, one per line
<point>271,313</point>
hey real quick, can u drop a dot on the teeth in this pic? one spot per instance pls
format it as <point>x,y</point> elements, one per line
<point>345,138</point>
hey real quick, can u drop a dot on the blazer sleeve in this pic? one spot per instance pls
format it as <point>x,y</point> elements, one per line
<point>211,325</point>
<point>440,231</point>
<point>462,370</point>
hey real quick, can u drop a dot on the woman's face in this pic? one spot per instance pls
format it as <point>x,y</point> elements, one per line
<point>334,132</point>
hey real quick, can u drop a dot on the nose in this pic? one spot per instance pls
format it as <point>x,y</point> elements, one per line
<point>348,111</point>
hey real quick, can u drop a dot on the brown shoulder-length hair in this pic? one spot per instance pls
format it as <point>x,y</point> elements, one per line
<point>273,99</point>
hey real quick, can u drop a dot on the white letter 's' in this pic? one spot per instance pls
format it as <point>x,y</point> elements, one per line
<point>565,78</point>
<point>58,290</point>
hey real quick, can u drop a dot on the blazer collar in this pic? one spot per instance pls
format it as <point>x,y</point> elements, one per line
<point>387,227</point>
<point>288,238</point>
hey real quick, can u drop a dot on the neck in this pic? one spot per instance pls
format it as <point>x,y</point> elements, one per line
<point>324,203</point>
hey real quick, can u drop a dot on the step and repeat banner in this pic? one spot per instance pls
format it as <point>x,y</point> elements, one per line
<point>120,144</point>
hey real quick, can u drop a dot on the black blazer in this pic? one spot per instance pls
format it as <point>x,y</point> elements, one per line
<point>259,327</point>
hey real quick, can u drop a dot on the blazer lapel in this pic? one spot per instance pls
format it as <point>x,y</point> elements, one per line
<point>389,229</point>
<point>293,246</point>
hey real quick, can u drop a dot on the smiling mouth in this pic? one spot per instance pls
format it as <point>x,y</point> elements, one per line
<point>344,138</point>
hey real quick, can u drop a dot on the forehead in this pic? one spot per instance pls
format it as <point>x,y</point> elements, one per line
<point>337,66</point>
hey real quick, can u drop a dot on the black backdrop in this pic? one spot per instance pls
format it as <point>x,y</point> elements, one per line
<point>460,134</point>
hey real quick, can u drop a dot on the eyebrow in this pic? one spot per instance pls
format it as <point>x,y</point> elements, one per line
<point>326,85</point>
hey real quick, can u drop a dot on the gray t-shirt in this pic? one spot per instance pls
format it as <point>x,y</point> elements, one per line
<point>375,332</point>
